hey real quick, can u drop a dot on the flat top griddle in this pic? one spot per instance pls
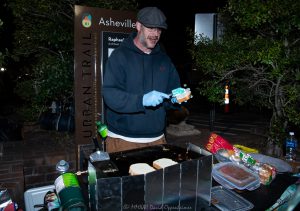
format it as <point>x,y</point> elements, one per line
<point>119,162</point>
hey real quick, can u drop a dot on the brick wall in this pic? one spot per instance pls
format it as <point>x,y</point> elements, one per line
<point>32,162</point>
<point>11,178</point>
<point>41,170</point>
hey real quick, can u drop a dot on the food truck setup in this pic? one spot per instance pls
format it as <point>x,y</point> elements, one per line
<point>219,176</point>
<point>169,177</point>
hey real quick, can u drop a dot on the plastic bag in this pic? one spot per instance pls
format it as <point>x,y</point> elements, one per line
<point>216,142</point>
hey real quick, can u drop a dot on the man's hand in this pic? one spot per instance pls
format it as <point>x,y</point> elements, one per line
<point>154,98</point>
<point>174,100</point>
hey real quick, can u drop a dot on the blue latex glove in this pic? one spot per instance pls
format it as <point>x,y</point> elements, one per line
<point>174,100</point>
<point>154,98</point>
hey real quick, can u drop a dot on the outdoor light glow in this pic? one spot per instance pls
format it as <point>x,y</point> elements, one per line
<point>2,69</point>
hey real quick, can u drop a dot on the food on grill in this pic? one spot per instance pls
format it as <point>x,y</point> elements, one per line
<point>236,175</point>
<point>140,168</point>
<point>163,163</point>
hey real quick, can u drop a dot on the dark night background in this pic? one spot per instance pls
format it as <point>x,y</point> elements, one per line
<point>180,17</point>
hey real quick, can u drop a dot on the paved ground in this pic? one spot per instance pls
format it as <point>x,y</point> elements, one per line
<point>243,128</point>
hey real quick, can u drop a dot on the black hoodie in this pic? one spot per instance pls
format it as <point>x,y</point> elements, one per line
<point>129,75</point>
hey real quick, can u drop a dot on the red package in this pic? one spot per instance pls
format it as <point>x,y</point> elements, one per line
<point>216,142</point>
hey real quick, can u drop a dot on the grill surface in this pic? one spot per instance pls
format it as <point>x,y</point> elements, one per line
<point>120,162</point>
<point>185,185</point>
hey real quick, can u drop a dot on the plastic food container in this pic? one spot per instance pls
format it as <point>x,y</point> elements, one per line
<point>226,199</point>
<point>232,175</point>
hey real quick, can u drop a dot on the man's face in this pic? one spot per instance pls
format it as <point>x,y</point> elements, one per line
<point>148,37</point>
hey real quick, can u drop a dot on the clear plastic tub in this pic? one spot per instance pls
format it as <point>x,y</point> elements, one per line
<point>232,175</point>
<point>225,199</point>
<point>35,196</point>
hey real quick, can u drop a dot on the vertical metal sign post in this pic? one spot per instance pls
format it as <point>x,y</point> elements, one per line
<point>97,32</point>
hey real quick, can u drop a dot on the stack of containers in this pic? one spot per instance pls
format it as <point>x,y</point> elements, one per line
<point>225,152</point>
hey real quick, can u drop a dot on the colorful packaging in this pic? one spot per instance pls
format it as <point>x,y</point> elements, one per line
<point>216,142</point>
<point>247,159</point>
<point>266,172</point>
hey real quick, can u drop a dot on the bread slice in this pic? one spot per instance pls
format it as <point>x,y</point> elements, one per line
<point>140,168</point>
<point>163,163</point>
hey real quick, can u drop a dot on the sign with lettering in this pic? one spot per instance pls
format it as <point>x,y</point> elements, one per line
<point>97,32</point>
<point>111,40</point>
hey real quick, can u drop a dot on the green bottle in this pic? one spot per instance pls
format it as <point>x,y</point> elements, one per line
<point>102,129</point>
